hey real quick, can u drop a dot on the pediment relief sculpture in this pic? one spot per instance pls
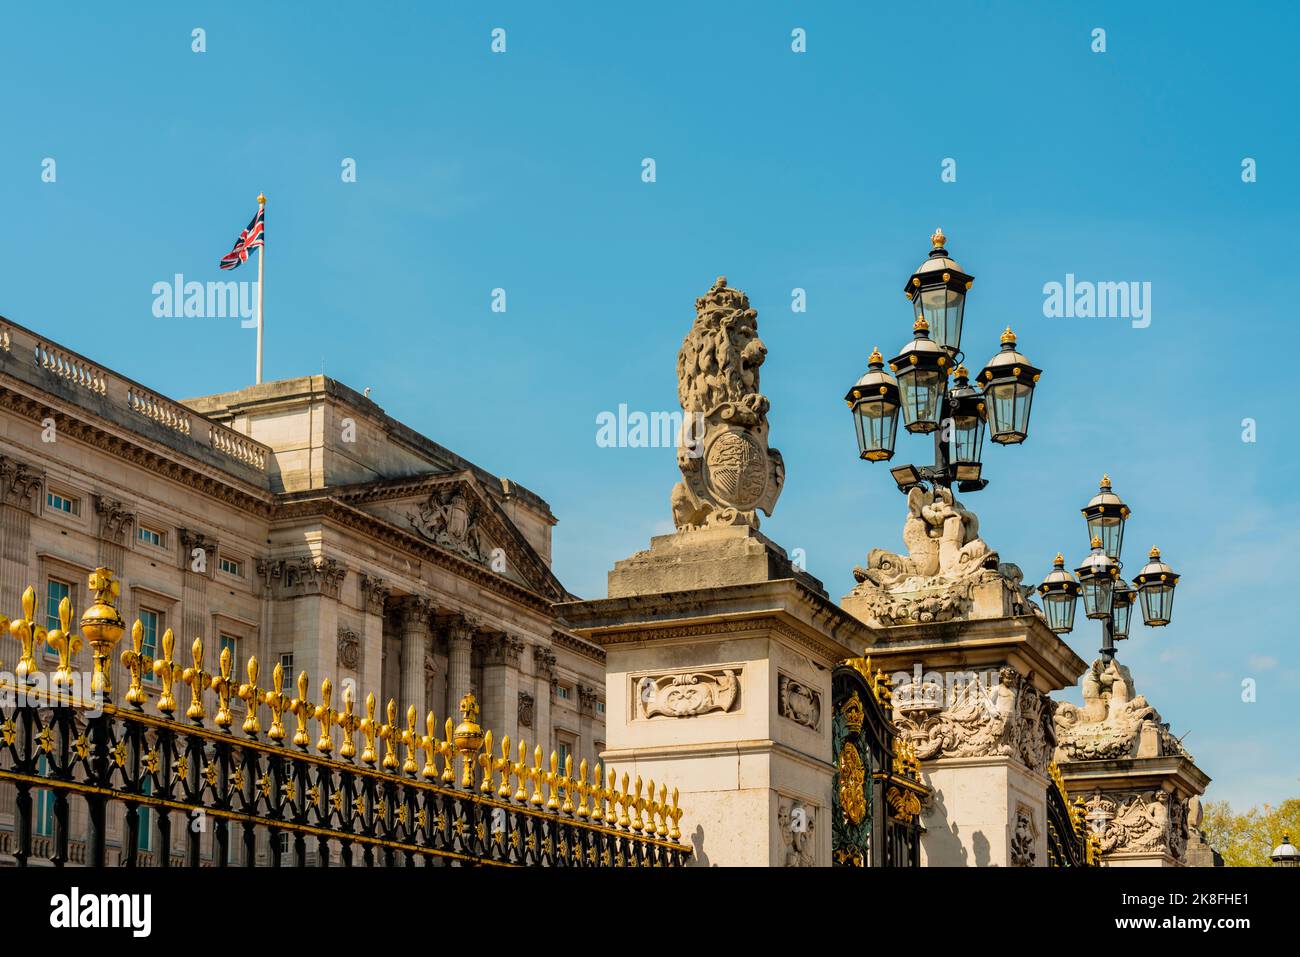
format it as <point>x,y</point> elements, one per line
<point>451,517</point>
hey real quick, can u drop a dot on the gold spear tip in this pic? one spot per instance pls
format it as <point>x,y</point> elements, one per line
<point>1008,336</point>
<point>261,199</point>
<point>938,239</point>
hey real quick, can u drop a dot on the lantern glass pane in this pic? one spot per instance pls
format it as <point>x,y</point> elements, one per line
<point>1121,615</point>
<point>1096,597</point>
<point>967,437</point>
<point>1110,529</point>
<point>920,390</point>
<point>1059,608</point>
<point>1008,405</point>
<point>943,308</point>
<point>877,426</point>
<point>1157,604</point>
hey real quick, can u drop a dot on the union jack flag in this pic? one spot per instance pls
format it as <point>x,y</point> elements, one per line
<point>249,238</point>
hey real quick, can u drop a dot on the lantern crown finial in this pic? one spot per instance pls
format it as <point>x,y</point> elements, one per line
<point>938,239</point>
<point>1008,336</point>
<point>875,356</point>
<point>1105,483</point>
<point>1096,541</point>
<point>1059,560</point>
<point>920,325</point>
<point>961,372</point>
<point>1154,554</point>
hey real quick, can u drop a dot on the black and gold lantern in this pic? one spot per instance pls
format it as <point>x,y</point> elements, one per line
<point>1155,584</point>
<point>874,401</point>
<point>937,291</point>
<point>1008,382</point>
<point>1059,592</point>
<point>922,370</point>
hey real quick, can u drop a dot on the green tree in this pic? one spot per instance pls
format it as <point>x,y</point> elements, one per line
<point>1245,839</point>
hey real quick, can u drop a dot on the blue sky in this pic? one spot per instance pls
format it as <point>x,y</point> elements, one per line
<point>818,170</point>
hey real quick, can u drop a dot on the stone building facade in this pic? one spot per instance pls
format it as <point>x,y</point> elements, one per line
<point>295,521</point>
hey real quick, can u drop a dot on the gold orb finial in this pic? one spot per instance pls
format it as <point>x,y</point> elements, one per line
<point>1105,483</point>
<point>938,239</point>
<point>920,325</point>
<point>1008,335</point>
<point>875,356</point>
<point>261,199</point>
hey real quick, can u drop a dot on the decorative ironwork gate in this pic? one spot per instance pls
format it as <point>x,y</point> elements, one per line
<point>279,803</point>
<point>1069,843</point>
<point>877,792</point>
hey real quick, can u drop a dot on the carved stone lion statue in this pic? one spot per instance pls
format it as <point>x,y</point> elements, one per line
<point>728,471</point>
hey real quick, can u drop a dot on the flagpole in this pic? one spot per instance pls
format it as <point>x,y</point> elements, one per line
<point>261,264</point>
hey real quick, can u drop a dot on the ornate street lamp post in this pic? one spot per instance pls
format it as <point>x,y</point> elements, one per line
<point>916,384</point>
<point>1106,596</point>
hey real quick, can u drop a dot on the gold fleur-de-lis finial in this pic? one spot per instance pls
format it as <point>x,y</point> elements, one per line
<point>675,833</point>
<point>537,776</point>
<point>198,680</point>
<point>347,722</point>
<point>67,643</point>
<point>253,696</point>
<point>167,671</point>
<point>448,751</point>
<point>520,770</point>
<point>224,688</point>
<point>303,710</point>
<point>391,735</point>
<point>26,632</point>
<point>136,663</point>
<point>411,740</point>
<point>581,786</point>
<point>429,745</point>
<point>485,762</point>
<point>278,702</point>
<point>566,784</point>
<point>326,718</point>
<point>503,766</point>
<point>369,730</point>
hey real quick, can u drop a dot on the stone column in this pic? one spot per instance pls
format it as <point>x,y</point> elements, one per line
<point>501,654</point>
<point>20,487</point>
<point>374,593</point>
<point>544,675</point>
<point>415,611</point>
<point>587,698</point>
<point>460,647</point>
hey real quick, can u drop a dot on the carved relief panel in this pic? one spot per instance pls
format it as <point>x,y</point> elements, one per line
<point>687,694</point>
<point>797,822</point>
<point>798,702</point>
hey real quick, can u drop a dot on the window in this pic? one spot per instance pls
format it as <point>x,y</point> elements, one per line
<point>144,840</point>
<point>44,803</point>
<point>231,566</point>
<point>55,592</point>
<point>151,536</point>
<point>600,707</point>
<point>151,622</point>
<point>62,503</point>
<point>564,749</point>
<point>286,662</point>
<point>231,642</point>
<point>562,692</point>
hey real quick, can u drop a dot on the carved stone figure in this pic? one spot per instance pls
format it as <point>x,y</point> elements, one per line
<point>797,823</point>
<point>728,471</point>
<point>945,560</point>
<point>1113,722</point>
<point>799,703</point>
<point>525,710</point>
<point>688,694</point>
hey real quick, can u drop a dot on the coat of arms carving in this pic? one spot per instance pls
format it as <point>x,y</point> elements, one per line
<point>450,518</point>
<point>728,471</point>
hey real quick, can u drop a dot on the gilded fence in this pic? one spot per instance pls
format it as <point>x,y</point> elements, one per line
<point>299,781</point>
